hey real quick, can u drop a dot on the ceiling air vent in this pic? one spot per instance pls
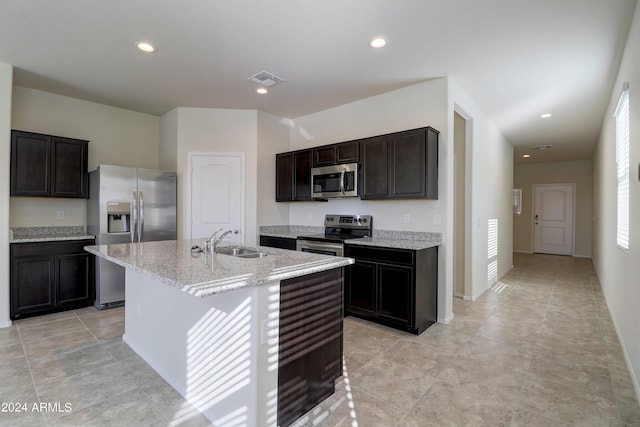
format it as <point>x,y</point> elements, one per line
<point>541,147</point>
<point>265,79</point>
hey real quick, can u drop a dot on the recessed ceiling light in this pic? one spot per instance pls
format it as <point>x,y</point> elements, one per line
<point>378,42</point>
<point>262,90</point>
<point>146,47</point>
<point>526,156</point>
<point>545,115</point>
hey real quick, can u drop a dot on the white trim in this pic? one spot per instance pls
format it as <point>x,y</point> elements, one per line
<point>623,171</point>
<point>187,220</point>
<point>447,319</point>
<point>6,324</point>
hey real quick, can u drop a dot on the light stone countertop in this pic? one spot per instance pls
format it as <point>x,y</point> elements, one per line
<point>289,231</point>
<point>199,274</point>
<point>412,240</point>
<point>47,234</point>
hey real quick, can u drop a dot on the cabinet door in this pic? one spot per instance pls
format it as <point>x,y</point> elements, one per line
<point>360,289</point>
<point>408,164</point>
<point>302,175</point>
<point>32,287</point>
<point>324,156</point>
<point>74,278</point>
<point>310,342</point>
<point>374,154</point>
<point>395,287</point>
<point>284,177</point>
<point>69,168</point>
<point>347,152</point>
<point>30,164</point>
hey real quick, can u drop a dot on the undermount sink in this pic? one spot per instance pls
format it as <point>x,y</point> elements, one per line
<point>241,252</point>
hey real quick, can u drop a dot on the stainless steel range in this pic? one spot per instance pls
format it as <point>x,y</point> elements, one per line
<point>338,228</point>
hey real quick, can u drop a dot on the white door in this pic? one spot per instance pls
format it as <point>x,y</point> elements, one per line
<point>216,193</point>
<point>553,218</point>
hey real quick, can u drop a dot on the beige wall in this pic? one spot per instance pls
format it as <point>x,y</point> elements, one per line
<point>6,81</point>
<point>116,136</point>
<point>579,172</point>
<point>618,270</point>
<point>218,130</point>
<point>273,137</point>
<point>169,141</point>
<point>490,157</point>
<point>489,177</point>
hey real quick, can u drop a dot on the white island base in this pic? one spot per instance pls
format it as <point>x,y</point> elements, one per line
<point>213,350</point>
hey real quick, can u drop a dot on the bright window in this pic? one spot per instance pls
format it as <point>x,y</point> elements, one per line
<point>492,251</point>
<point>622,160</point>
<point>517,201</point>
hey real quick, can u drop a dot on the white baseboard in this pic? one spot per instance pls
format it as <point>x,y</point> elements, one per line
<point>446,320</point>
<point>6,324</point>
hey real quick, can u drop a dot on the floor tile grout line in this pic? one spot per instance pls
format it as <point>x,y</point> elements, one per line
<point>33,382</point>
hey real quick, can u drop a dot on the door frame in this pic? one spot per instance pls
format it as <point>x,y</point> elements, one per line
<point>533,214</point>
<point>466,237</point>
<point>188,220</point>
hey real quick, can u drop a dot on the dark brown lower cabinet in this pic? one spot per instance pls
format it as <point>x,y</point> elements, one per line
<point>393,287</point>
<point>278,242</point>
<point>310,348</point>
<point>50,276</point>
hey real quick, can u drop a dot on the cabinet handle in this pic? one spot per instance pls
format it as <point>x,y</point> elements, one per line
<point>134,214</point>
<point>141,202</point>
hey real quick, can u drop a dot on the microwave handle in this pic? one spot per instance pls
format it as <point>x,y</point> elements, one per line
<point>342,178</point>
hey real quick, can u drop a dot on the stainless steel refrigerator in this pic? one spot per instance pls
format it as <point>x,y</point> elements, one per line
<point>127,205</point>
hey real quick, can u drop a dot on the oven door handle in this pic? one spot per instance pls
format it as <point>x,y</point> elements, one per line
<point>308,244</point>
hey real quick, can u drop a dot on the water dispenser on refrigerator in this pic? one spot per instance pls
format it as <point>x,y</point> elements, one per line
<point>118,217</point>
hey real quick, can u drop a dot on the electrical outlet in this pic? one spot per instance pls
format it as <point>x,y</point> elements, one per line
<point>308,217</point>
<point>437,219</point>
<point>406,218</point>
<point>59,214</point>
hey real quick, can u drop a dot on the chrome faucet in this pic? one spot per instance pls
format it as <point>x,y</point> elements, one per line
<point>211,244</point>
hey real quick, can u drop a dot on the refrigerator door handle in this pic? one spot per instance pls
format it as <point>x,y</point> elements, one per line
<point>134,214</point>
<point>141,201</point>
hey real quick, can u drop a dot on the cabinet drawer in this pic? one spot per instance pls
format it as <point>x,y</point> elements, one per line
<point>385,255</point>
<point>49,248</point>
<point>278,242</point>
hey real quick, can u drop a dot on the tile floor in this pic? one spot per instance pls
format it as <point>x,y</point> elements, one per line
<point>539,349</point>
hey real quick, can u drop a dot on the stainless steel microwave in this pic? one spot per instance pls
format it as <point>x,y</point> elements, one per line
<point>335,181</point>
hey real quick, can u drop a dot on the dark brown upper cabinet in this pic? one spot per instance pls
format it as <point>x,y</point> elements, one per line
<point>284,177</point>
<point>401,165</point>
<point>293,176</point>
<point>48,166</point>
<point>344,152</point>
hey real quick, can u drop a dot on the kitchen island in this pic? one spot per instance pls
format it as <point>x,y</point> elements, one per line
<point>234,334</point>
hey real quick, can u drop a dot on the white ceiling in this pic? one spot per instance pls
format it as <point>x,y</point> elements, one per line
<point>516,59</point>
